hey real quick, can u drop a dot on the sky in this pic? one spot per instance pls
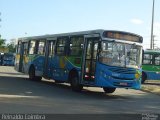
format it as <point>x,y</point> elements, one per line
<point>21,18</point>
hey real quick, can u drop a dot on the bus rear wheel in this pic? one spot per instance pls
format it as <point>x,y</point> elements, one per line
<point>75,84</point>
<point>109,90</point>
<point>32,75</point>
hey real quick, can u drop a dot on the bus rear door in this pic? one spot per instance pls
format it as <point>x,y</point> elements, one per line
<point>23,51</point>
<point>48,58</point>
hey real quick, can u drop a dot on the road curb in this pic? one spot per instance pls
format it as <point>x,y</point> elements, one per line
<point>151,89</point>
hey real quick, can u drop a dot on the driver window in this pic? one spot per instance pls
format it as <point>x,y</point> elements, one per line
<point>157,59</point>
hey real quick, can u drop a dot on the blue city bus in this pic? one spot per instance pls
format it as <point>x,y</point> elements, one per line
<point>98,58</point>
<point>8,59</point>
<point>1,58</point>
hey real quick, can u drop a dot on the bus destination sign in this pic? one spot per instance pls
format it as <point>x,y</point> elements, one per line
<point>122,36</point>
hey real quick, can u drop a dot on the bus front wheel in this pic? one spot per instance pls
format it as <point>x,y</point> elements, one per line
<point>32,75</point>
<point>109,90</point>
<point>75,84</point>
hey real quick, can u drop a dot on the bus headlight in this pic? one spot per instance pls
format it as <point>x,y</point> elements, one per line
<point>137,75</point>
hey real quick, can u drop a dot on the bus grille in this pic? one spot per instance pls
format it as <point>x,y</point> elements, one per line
<point>122,70</point>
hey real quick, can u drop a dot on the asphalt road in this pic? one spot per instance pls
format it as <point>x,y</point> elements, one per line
<point>20,95</point>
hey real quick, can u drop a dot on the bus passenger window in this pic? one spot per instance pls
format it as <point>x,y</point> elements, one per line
<point>157,59</point>
<point>147,59</point>
<point>61,46</point>
<point>32,47</point>
<point>76,46</point>
<point>51,48</point>
<point>41,48</point>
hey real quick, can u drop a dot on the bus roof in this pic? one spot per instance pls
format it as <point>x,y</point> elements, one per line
<point>152,51</point>
<point>64,34</point>
<point>98,31</point>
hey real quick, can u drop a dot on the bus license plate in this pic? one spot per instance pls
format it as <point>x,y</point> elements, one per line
<point>125,84</point>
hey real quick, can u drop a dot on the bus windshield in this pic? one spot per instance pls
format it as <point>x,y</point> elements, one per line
<point>120,54</point>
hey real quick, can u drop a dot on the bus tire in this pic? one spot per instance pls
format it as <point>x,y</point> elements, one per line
<point>109,90</point>
<point>32,75</point>
<point>144,77</point>
<point>38,78</point>
<point>75,84</point>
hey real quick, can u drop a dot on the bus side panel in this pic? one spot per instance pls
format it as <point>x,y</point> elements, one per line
<point>153,75</point>
<point>37,61</point>
<point>59,69</point>
<point>62,65</point>
<point>26,63</point>
<point>117,77</point>
<point>152,72</point>
<point>50,68</point>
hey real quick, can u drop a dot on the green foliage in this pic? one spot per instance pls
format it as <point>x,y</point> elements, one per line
<point>11,48</point>
<point>2,42</point>
<point>7,48</point>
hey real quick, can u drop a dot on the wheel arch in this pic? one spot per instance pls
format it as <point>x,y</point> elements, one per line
<point>72,72</point>
<point>31,66</point>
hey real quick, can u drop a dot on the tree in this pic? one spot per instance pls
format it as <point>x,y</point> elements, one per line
<point>11,48</point>
<point>2,45</point>
<point>2,42</point>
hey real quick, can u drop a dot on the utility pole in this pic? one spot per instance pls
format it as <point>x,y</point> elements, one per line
<point>0,15</point>
<point>0,19</point>
<point>0,23</point>
<point>153,41</point>
<point>151,44</point>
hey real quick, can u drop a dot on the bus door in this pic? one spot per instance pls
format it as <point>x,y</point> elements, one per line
<point>90,57</point>
<point>21,57</point>
<point>48,58</point>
